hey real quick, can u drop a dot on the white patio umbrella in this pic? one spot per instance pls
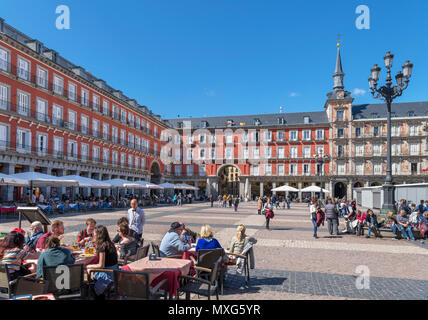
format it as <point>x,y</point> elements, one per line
<point>6,180</point>
<point>144,185</point>
<point>285,188</point>
<point>117,183</point>
<point>85,182</point>
<point>314,189</point>
<point>37,179</point>
<point>185,186</point>
<point>167,185</point>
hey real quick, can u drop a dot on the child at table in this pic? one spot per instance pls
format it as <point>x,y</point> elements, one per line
<point>87,233</point>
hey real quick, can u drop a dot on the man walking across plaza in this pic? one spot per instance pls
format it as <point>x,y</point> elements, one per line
<point>136,218</point>
<point>332,217</point>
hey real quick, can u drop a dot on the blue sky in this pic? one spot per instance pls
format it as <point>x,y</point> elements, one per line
<point>206,58</point>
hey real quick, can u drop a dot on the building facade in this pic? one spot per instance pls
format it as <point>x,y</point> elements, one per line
<point>58,118</point>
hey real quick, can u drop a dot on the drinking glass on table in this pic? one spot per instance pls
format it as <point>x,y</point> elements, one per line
<point>75,246</point>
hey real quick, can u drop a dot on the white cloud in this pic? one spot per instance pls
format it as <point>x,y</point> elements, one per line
<point>359,92</point>
<point>294,94</point>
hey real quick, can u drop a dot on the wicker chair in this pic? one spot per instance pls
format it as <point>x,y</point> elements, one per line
<point>206,286</point>
<point>135,285</point>
<point>206,259</point>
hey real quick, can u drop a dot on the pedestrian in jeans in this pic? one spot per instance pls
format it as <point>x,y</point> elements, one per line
<point>372,224</point>
<point>268,207</point>
<point>313,211</point>
<point>332,217</point>
<point>391,223</point>
<point>404,225</point>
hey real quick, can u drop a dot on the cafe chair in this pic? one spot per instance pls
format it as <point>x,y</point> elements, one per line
<point>91,282</point>
<point>206,259</point>
<point>206,286</point>
<point>135,285</point>
<point>155,249</point>
<point>241,262</point>
<point>32,286</point>
<point>77,286</point>
<point>142,252</point>
<point>7,285</point>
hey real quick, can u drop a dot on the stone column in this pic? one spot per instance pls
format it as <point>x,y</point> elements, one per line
<point>261,189</point>
<point>349,190</point>
<point>7,191</point>
<point>249,191</point>
<point>273,187</point>
<point>299,186</point>
<point>196,191</point>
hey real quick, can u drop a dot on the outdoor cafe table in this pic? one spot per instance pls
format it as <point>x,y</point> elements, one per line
<point>162,268</point>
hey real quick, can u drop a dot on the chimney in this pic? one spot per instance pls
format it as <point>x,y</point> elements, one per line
<point>280,109</point>
<point>1,25</point>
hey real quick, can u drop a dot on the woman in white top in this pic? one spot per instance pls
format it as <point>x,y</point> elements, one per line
<point>313,211</point>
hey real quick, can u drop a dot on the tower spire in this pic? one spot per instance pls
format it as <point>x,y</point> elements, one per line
<point>338,72</point>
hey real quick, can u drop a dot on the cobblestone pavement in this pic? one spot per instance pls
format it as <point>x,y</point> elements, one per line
<point>290,263</point>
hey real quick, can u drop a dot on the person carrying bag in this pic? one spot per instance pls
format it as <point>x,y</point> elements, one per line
<point>269,214</point>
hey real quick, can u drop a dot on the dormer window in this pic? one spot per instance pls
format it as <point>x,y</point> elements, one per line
<point>411,113</point>
<point>257,122</point>
<point>306,120</point>
<point>281,121</point>
<point>375,115</point>
<point>393,115</point>
<point>180,124</point>
<point>204,124</point>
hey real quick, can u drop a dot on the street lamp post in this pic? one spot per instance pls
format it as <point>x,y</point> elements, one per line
<point>388,93</point>
<point>321,159</point>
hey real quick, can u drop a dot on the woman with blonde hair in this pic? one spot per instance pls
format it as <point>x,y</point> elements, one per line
<point>207,240</point>
<point>240,240</point>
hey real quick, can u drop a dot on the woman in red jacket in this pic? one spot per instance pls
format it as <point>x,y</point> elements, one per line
<point>359,221</point>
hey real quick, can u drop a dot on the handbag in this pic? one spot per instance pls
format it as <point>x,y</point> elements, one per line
<point>269,214</point>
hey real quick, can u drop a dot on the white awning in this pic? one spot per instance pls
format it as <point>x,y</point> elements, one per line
<point>38,179</point>
<point>184,186</point>
<point>314,189</point>
<point>85,182</point>
<point>6,180</point>
<point>167,185</point>
<point>285,188</point>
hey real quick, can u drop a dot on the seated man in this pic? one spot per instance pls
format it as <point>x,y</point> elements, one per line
<point>57,229</point>
<point>53,256</point>
<point>171,243</point>
<point>391,223</point>
<point>349,218</point>
<point>88,233</point>
<point>372,224</point>
<point>36,230</point>
<point>404,225</point>
<point>187,234</point>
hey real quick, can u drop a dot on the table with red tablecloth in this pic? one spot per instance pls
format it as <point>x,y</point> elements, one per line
<point>160,269</point>
<point>4,210</point>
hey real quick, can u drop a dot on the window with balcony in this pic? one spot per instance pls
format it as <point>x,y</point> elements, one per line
<point>319,150</point>
<point>320,134</point>
<point>130,161</point>
<point>413,130</point>
<point>357,132</point>
<point>115,158</point>
<point>115,112</point>
<point>131,119</point>
<point>23,69</point>
<point>377,149</point>
<point>123,137</point>
<point>42,77</point>
<point>306,152</point>
<point>213,138</point>
<point>189,170</point>
<point>4,97</point>
<point>359,169</point>
<point>396,168</point>
<point>268,136</point>
<point>84,124</point>
<point>293,152</point>
<point>72,150</point>
<point>229,137</point>
<point>177,170</point>
<point>395,130</point>
<point>202,170</point>
<point>202,138</point>
<point>306,169</point>
<point>280,169</point>
<point>396,149</point>
<point>229,153</point>
<point>105,131</point>
<point>340,133</point>
<point>376,131</point>
<point>268,152</point>
<point>58,147</point>
<point>414,168</point>
<point>4,137</point>
<point>58,85</point>
<point>137,162</point>
<point>377,168</point>
<point>114,134</point>
<point>130,140</point>
<point>84,97</point>
<point>42,144</point>
<point>341,168</point>
<point>213,156</point>
<point>414,149</point>
<point>72,120</point>
<point>23,100</point>
<point>306,135</point>
<point>340,115</point>
<point>106,155</point>
<point>84,152</point>
<point>41,109</point>
<point>95,128</point>
<point>256,153</point>
<point>96,154</point>
<point>293,135</point>
<point>255,136</point>
<point>72,91</point>
<point>359,150</point>
<point>4,60</point>
<point>268,169</point>
<point>254,170</point>
<point>340,151</point>
<point>143,163</point>
<point>281,154</point>
<point>122,159</point>
<point>280,135</point>
<point>96,102</point>
<point>57,115</point>
<point>202,154</point>
<point>293,169</point>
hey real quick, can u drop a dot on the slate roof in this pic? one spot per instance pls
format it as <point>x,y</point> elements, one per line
<point>367,111</point>
<point>291,119</point>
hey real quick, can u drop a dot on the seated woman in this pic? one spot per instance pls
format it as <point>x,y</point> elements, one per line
<point>13,253</point>
<point>359,222</point>
<point>117,238</point>
<point>128,244</point>
<point>36,230</point>
<point>107,259</point>
<point>53,256</point>
<point>239,241</point>
<point>207,240</point>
